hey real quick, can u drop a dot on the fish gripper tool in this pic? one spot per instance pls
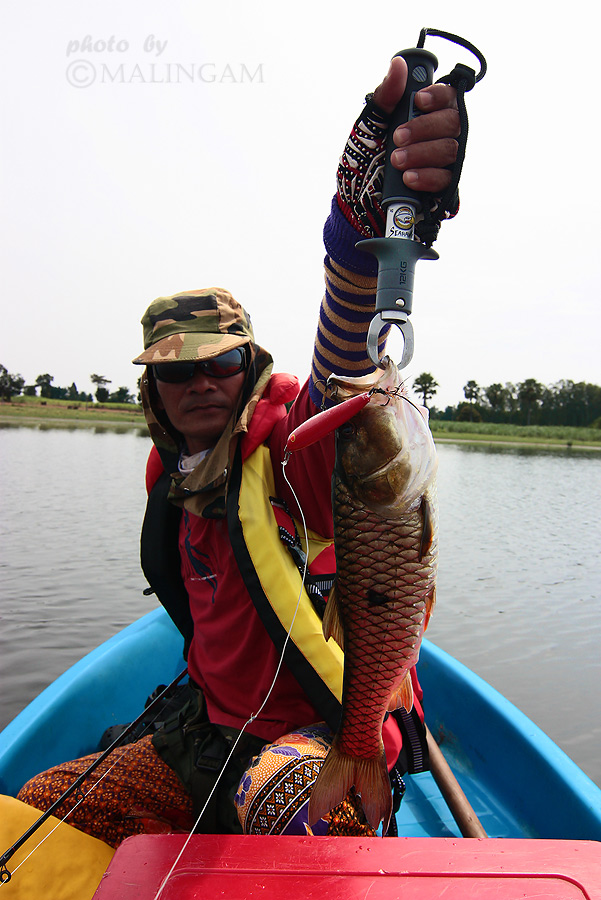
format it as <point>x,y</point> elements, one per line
<point>397,252</point>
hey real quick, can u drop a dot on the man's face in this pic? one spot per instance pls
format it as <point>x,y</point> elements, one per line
<point>201,407</point>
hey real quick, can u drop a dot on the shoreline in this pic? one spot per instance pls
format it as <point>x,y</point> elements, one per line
<point>73,421</point>
<point>55,417</point>
<point>513,442</point>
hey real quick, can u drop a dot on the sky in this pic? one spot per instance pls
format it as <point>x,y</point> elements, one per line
<point>124,179</point>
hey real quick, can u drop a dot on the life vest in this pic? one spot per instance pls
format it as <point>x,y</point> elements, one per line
<point>269,549</point>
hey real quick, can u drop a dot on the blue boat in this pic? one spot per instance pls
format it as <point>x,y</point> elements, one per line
<point>519,783</point>
<point>540,811</point>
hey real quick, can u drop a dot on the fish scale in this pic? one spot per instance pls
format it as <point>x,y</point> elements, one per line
<point>380,642</point>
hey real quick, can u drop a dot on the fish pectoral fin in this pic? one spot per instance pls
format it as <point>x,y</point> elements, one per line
<point>403,696</point>
<point>332,623</point>
<point>430,604</point>
<point>339,773</point>
<point>427,527</point>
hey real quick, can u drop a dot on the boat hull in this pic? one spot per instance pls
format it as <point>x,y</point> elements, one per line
<point>520,784</point>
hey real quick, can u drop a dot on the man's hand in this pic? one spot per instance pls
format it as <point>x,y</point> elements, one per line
<point>425,144</point>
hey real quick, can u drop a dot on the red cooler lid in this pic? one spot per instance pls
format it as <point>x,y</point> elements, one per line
<point>337,868</point>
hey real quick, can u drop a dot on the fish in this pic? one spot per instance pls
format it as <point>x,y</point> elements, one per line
<point>386,544</point>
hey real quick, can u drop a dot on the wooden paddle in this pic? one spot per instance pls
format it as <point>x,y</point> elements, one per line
<point>467,820</point>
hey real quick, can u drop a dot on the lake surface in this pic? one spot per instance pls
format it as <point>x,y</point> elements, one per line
<point>519,589</point>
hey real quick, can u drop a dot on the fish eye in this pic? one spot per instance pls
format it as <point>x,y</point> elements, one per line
<point>347,431</point>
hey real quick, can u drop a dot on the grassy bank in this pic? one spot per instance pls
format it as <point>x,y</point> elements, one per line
<point>495,432</point>
<point>33,410</point>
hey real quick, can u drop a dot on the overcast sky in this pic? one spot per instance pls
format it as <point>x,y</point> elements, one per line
<point>123,180</point>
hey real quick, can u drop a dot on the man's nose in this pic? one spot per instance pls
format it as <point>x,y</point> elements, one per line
<point>201,382</point>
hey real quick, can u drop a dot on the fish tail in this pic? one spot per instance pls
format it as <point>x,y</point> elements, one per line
<point>339,773</point>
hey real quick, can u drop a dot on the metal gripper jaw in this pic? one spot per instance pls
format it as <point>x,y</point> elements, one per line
<point>394,297</point>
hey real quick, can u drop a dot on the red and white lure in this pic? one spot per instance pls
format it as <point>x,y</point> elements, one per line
<point>322,423</point>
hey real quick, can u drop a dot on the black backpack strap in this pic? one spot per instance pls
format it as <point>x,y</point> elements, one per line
<point>159,552</point>
<point>414,756</point>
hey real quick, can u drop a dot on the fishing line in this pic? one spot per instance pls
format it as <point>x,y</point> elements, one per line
<point>252,718</point>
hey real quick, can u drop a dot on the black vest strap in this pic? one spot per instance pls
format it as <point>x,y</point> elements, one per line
<point>159,551</point>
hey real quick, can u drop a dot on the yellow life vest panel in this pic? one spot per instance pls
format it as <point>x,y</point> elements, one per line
<point>275,584</point>
<point>68,866</point>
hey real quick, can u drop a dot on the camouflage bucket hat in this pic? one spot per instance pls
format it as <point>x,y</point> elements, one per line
<point>193,325</point>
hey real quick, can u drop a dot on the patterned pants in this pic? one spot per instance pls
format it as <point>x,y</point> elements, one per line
<point>274,792</point>
<point>140,794</point>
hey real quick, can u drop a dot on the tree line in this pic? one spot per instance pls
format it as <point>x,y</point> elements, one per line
<point>14,385</point>
<point>528,402</point>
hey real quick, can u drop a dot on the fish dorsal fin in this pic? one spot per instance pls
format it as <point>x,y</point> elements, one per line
<point>332,623</point>
<point>403,696</point>
<point>427,527</point>
<point>430,604</point>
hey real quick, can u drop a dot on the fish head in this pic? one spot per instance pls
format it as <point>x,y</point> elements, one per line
<point>385,454</point>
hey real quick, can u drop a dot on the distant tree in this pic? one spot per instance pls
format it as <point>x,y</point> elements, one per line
<point>59,393</point>
<point>511,399</point>
<point>570,403</point>
<point>73,393</point>
<point>30,390</point>
<point>122,395</point>
<point>496,395</point>
<point>467,412</point>
<point>530,393</point>
<point>425,385</point>
<point>10,385</point>
<point>100,381</point>
<point>44,382</point>
<point>471,391</point>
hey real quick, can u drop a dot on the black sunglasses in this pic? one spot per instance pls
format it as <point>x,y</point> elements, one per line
<point>223,366</point>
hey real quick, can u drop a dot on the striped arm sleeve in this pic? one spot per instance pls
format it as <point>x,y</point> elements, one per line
<point>346,309</point>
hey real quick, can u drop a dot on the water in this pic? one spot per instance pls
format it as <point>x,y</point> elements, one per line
<point>519,590</point>
<point>72,507</point>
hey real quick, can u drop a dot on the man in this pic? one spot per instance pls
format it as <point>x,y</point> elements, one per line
<point>218,495</point>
